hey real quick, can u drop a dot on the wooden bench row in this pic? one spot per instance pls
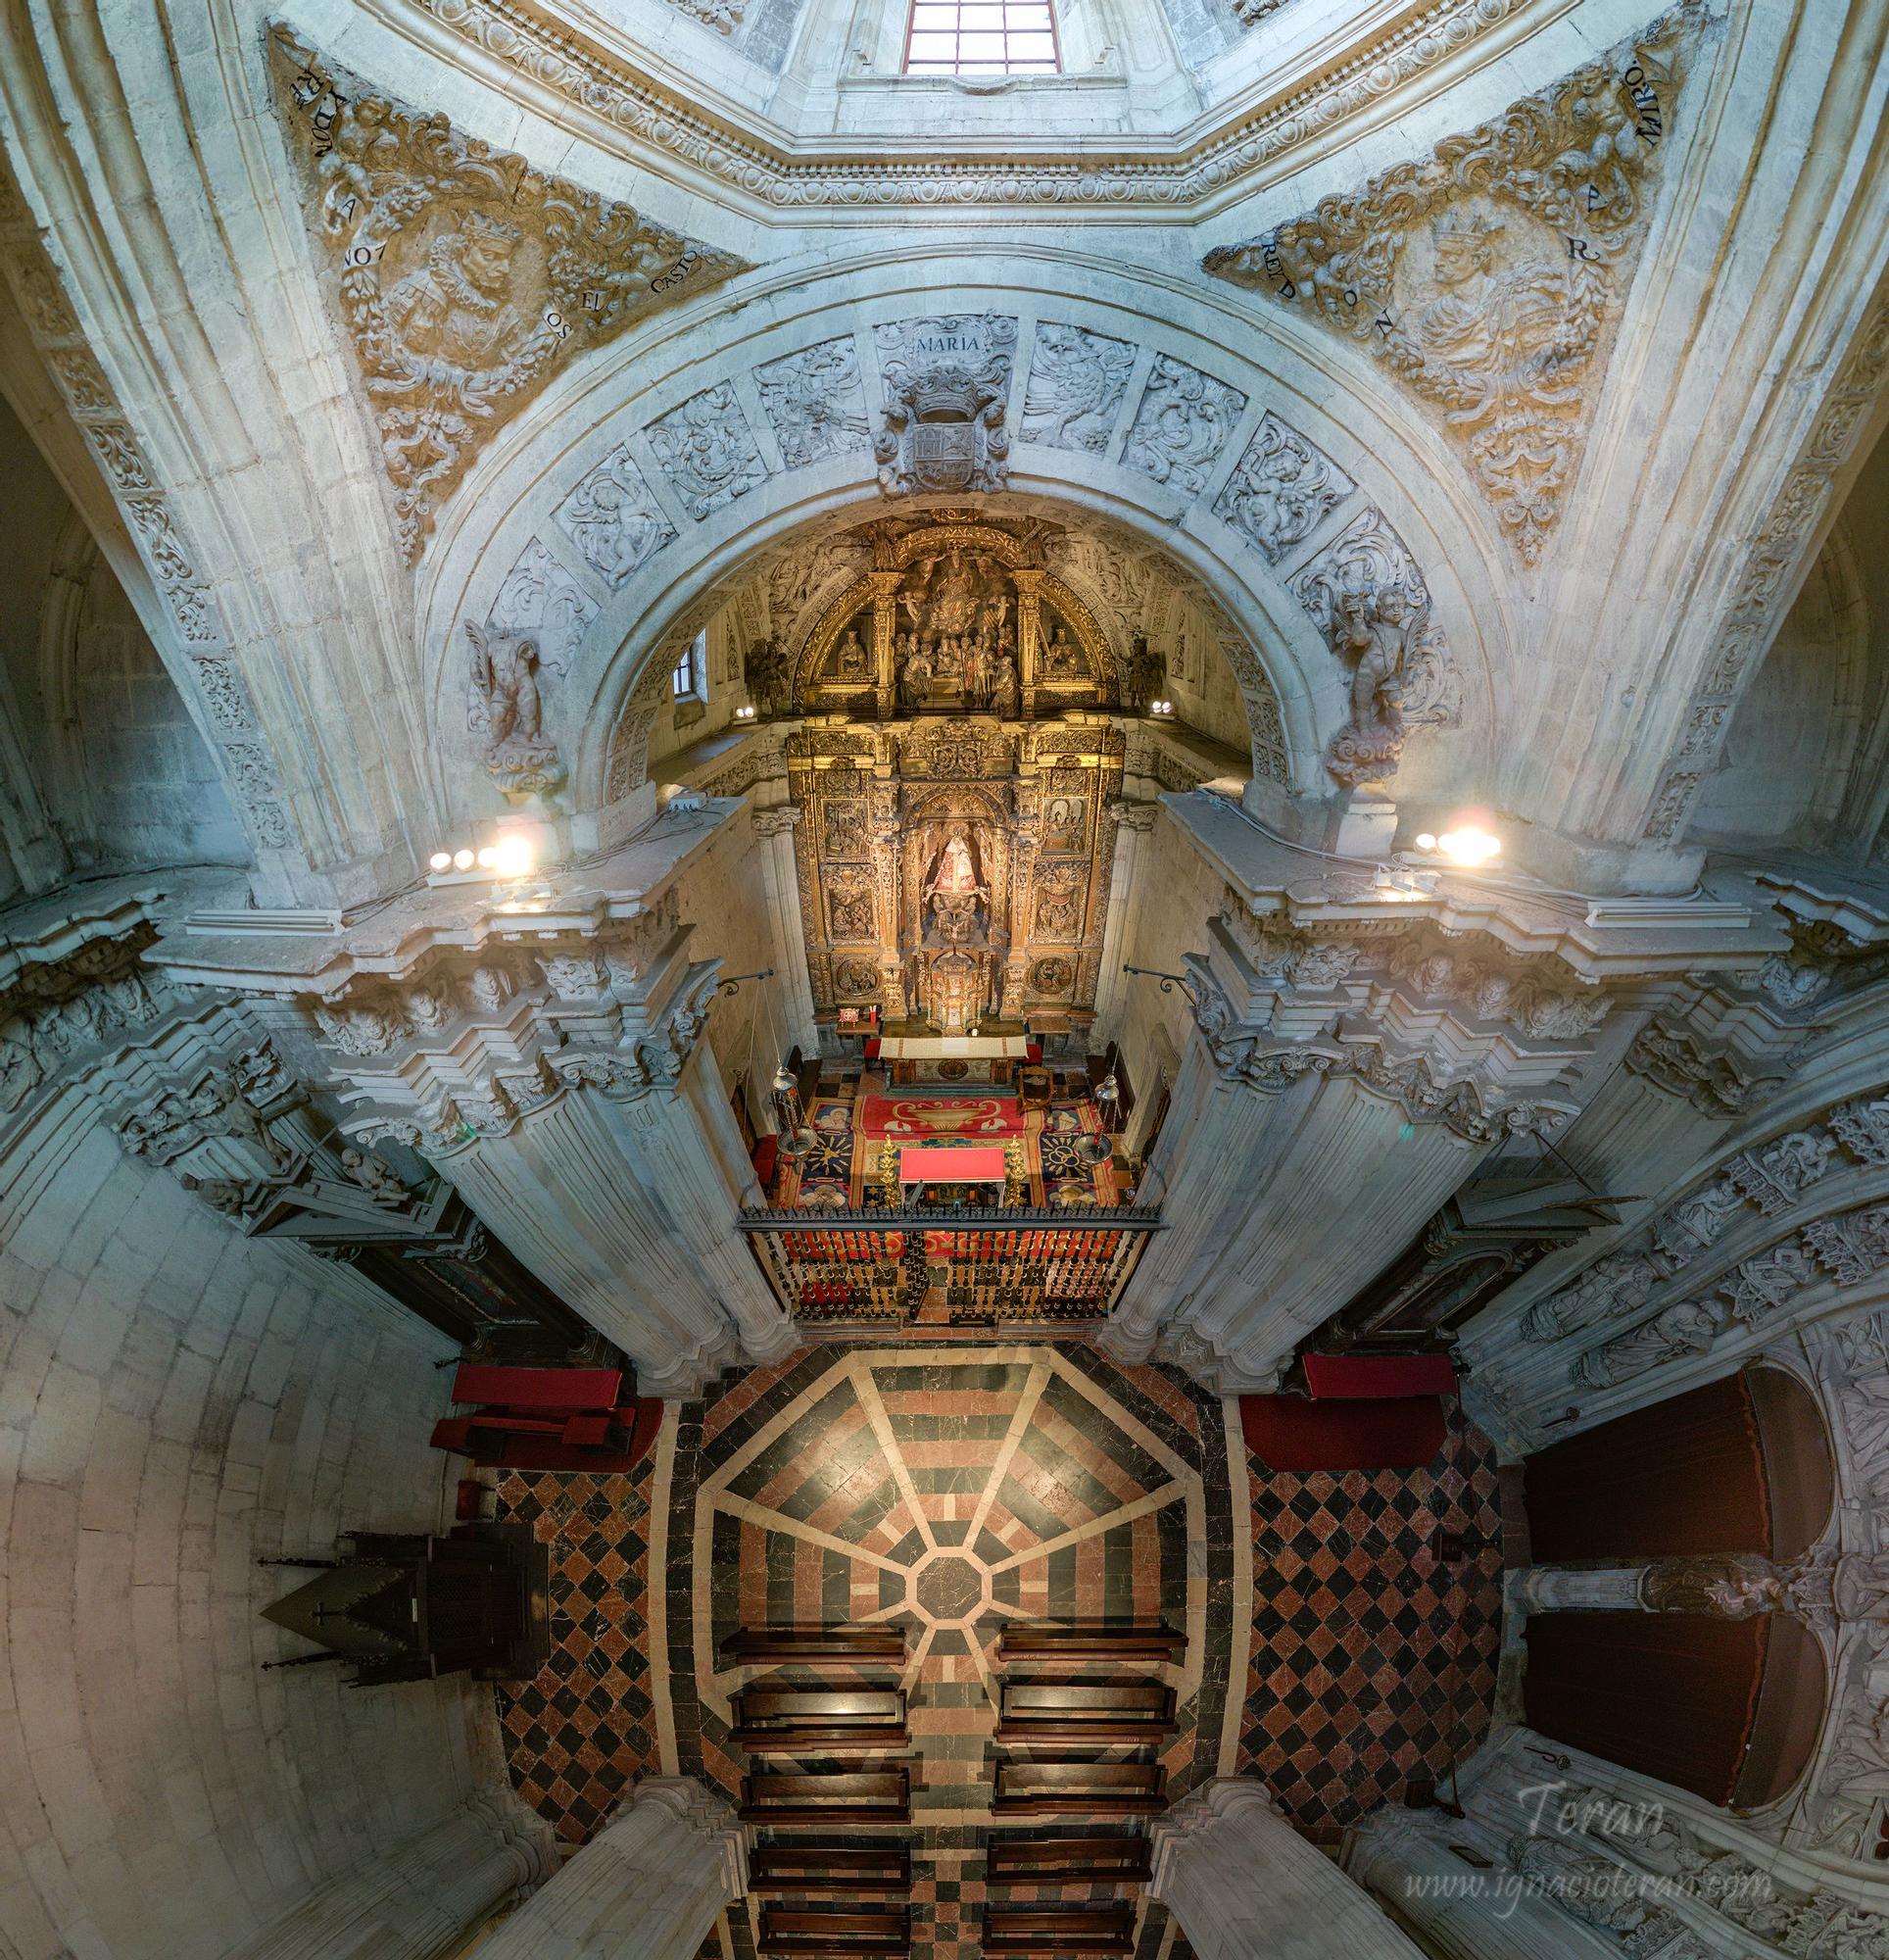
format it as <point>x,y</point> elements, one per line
<point>783,1867</point>
<point>884,1796</point>
<point>885,1647</point>
<point>1059,1929</point>
<point>770,1720</point>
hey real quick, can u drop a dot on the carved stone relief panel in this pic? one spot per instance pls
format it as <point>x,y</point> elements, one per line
<point>614,520</point>
<point>706,450</point>
<point>1077,380</point>
<point>945,386</point>
<point>466,279</point>
<point>1283,488</point>
<point>1183,421</point>
<point>1490,275</point>
<point>816,402</point>
<point>540,598</point>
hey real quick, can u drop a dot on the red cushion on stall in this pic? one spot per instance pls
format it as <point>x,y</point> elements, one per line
<point>1377,1377</point>
<point>1288,1433</point>
<point>538,1387</point>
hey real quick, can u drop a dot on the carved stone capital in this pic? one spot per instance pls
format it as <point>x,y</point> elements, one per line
<point>1128,815</point>
<point>1715,1084</point>
<point>779,821</point>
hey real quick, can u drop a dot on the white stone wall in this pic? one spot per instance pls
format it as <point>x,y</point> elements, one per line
<point>175,1403</point>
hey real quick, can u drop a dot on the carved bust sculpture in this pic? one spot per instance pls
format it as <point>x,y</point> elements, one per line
<point>455,310</point>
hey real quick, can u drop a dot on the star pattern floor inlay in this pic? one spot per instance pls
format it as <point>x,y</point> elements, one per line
<point>954,1489</point>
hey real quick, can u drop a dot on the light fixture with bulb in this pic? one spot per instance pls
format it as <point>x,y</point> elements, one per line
<point>1466,844</point>
<point>745,713</point>
<point>1163,707</point>
<point>507,858</point>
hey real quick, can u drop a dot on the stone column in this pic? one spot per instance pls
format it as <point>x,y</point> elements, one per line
<point>1243,1882</point>
<point>780,879</point>
<point>646,1887</point>
<point>418,1898</point>
<point>1133,822</point>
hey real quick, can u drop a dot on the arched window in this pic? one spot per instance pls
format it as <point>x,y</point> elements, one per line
<point>686,683</point>
<point>982,38</point>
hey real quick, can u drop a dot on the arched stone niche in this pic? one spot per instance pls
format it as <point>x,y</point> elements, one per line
<point>615,514</point>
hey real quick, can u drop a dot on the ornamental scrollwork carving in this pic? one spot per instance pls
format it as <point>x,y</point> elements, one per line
<point>1183,421</point>
<point>815,402</point>
<point>1490,275</point>
<point>1716,1085</point>
<point>1282,489</point>
<point>706,450</point>
<point>467,278</point>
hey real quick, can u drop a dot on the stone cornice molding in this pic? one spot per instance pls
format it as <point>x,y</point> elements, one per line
<point>768,173</point>
<point>1596,941</point>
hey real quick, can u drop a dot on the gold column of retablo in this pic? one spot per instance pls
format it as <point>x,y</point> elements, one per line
<point>1028,586</point>
<point>885,619</point>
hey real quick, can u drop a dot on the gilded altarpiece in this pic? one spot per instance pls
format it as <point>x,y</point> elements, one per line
<point>956,868</point>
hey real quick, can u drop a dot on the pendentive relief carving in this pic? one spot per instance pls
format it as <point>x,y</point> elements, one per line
<point>465,278</point>
<point>614,520</point>
<point>1490,276</point>
<point>1282,490</point>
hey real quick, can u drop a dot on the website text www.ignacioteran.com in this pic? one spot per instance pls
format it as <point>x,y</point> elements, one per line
<point>1595,1856</point>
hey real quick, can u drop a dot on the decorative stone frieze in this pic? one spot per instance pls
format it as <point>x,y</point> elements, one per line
<point>1490,276</point>
<point>465,278</point>
<point>706,450</point>
<point>1352,78</point>
<point>1283,488</point>
<point>816,403</point>
<point>1714,1084</point>
<point>1183,423</point>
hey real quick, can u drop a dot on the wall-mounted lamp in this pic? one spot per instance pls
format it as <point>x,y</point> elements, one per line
<point>1162,708</point>
<point>744,712</point>
<point>1169,981</point>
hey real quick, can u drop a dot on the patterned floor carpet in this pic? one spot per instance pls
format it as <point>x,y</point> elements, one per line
<point>830,1483</point>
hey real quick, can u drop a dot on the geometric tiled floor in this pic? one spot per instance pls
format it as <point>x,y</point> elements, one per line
<point>580,1732</point>
<point>1369,1663</point>
<point>828,1485</point>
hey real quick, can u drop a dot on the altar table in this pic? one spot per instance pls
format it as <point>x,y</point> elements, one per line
<point>951,1059</point>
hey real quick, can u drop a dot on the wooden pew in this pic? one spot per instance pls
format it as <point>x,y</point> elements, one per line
<point>1068,1861</point>
<point>1070,1711</point>
<point>1060,1929</point>
<point>858,1647</point>
<point>827,1796</point>
<point>1093,1641</point>
<point>783,1866</point>
<point>836,1930</point>
<point>775,1720</point>
<point>1100,1789</point>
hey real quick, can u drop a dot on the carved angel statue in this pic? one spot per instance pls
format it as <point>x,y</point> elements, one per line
<point>223,1110</point>
<point>764,672</point>
<point>505,707</point>
<point>1371,633</point>
<point>365,1169</point>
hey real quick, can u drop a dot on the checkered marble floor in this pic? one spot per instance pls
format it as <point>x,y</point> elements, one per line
<point>829,1485</point>
<point>1371,1664</point>
<point>580,1732</point>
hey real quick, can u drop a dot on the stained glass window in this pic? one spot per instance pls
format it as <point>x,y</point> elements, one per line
<point>982,38</point>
